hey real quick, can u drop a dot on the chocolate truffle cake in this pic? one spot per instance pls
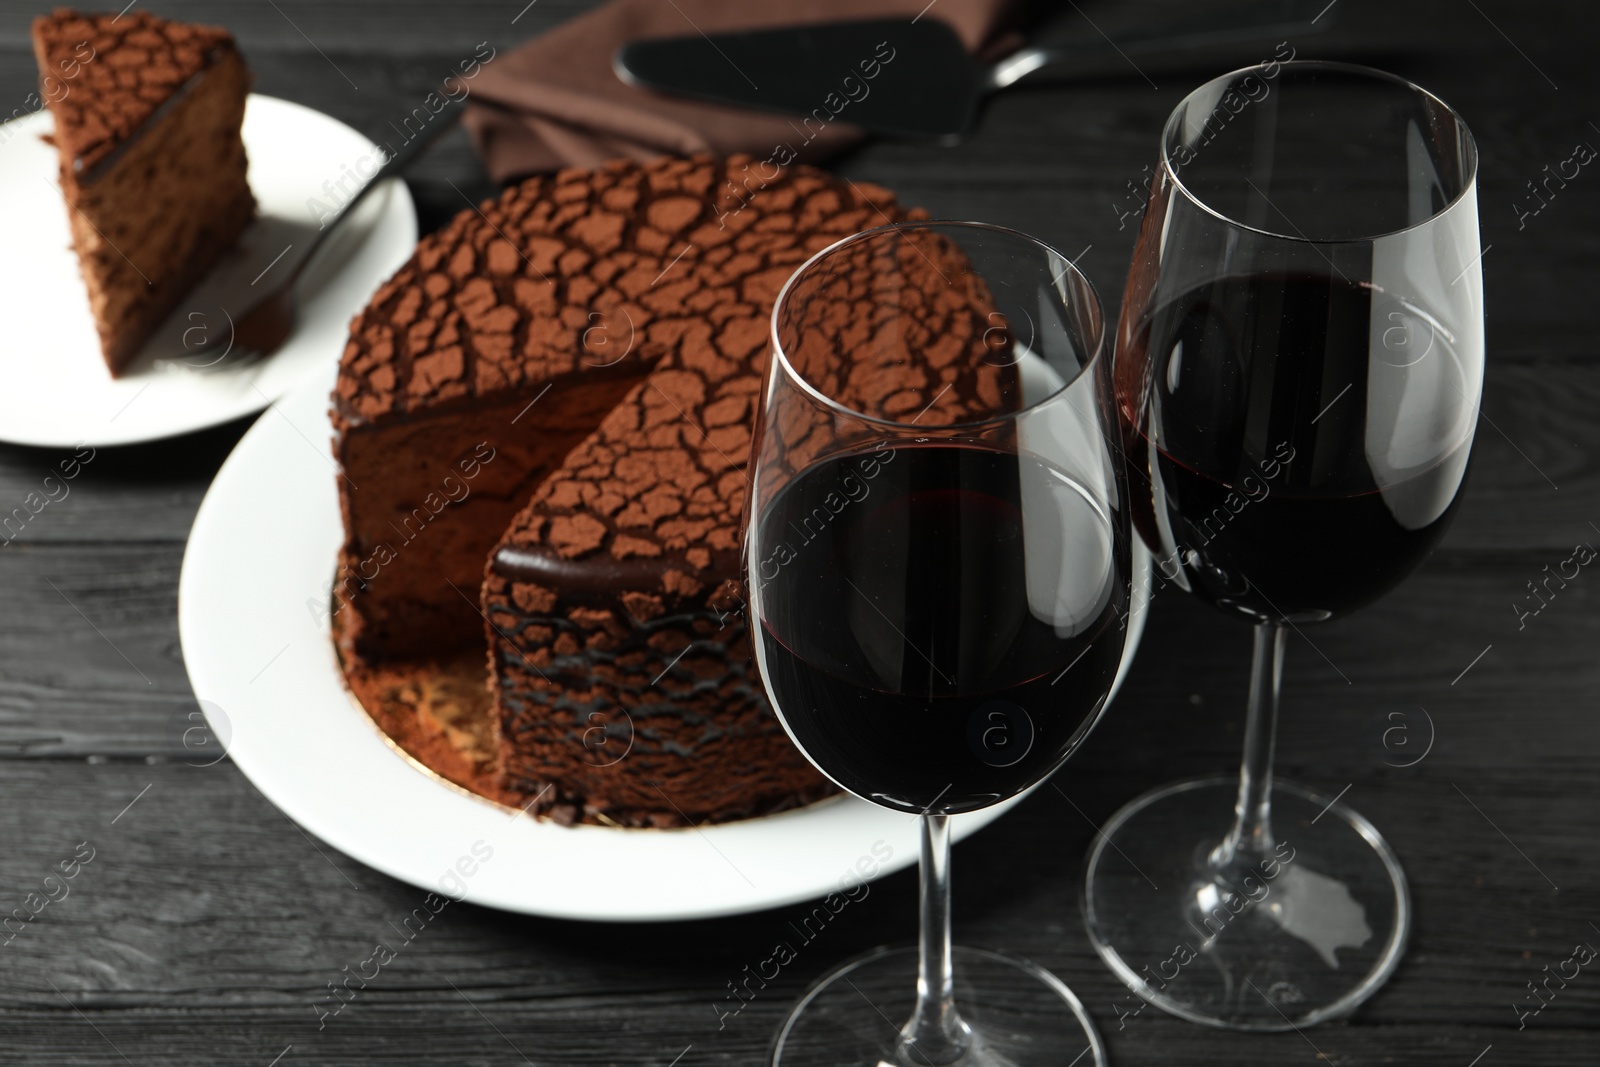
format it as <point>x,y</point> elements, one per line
<point>147,115</point>
<point>558,386</point>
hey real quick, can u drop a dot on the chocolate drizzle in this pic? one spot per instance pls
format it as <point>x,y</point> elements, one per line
<point>592,580</point>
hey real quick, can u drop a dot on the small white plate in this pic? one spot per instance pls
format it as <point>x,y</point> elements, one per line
<point>54,386</point>
<point>252,614</point>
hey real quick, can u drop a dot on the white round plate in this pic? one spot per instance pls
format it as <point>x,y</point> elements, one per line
<point>252,614</point>
<point>54,386</point>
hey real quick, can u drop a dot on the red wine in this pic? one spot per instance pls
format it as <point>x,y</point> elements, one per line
<point>939,624</point>
<point>1305,441</point>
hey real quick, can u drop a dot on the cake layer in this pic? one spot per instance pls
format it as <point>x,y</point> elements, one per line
<point>427,495</point>
<point>152,166</point>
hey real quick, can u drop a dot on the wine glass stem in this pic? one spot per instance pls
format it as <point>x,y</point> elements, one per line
<point>936,1035</point>
<point>1251,836</point>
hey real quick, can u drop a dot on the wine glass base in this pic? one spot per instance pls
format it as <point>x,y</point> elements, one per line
<point>1313,933</point>
<point>1021,1015</point>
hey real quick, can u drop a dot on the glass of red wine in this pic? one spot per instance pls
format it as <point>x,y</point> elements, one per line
<point>1298,369</point>
<point>938,567</point>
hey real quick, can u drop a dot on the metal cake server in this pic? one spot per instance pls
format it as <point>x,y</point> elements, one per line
<point>909,77</point>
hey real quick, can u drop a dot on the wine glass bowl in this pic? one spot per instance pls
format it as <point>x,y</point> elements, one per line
<point>939,486</point>
<point>1298,370</point>
<point>1303,288</point>
<point>938,565</point>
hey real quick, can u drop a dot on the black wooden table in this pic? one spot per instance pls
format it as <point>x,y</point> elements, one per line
<point>207,926</point>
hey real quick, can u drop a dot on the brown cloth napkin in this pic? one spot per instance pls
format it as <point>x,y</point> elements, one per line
<point>556,102</point>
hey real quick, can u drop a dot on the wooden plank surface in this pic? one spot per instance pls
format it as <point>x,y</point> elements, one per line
<point>206,927</point>
<point>239,918</point>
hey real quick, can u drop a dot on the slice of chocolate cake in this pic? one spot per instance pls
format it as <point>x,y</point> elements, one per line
<point>147,115</point>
